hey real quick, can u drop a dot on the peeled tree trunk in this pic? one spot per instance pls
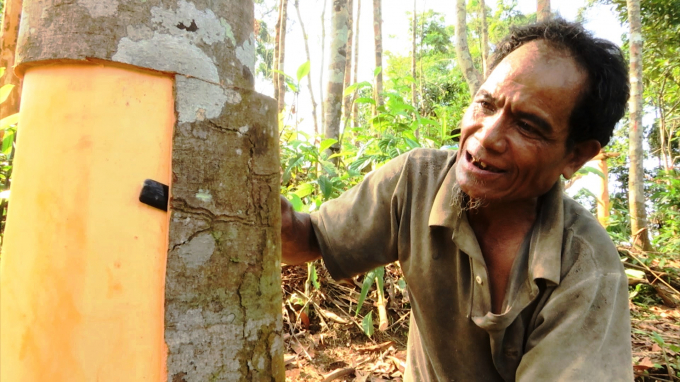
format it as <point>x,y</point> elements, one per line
<point>636,195</point>
<point>336,72</point>
<point>214,270</point>
<point>377,30</point>
<point>472,76</point>
<point>10,31</point>
<point>542,10</point>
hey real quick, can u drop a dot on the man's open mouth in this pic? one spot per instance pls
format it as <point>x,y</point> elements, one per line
<point>480,164</point>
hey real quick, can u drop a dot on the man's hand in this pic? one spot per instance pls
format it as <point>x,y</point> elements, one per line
<point>298,240</point>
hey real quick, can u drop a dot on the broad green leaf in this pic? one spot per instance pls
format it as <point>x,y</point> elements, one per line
<point>401,284</point>
<point>590,170</point>
<point>326,143</point>
<point>7,141</point>
<point>296,202</point>
<point>303,70</point>
<point>326,186</point>
<point>361,100</point>
<point>380,278</point>
<point>304,190</point>
<point>412,144</point>
<point>377,71</point>
<point>657,338</point>
<point>368,282</point>
<point>367,324</point>
<point>5,92</point>
<point>9,121</point>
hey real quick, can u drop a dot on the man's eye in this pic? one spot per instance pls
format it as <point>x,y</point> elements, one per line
<point>487,106</point>
<point>526,127</point>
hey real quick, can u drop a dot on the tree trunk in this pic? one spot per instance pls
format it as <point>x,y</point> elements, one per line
<point>377,30</point>
<point>336,73</point>
<point>281,59</point>
<point>10,31</point>
<point>323,60</point>
<point>472,76</point>
<point>309,75</point>
<point>603,204</point>
<point>414,95</point>
<point>277,48</point>
<point>543,10</point>
<point>132,284</point>
<point>347,101</point>
<point>485,39</point>
<point>355,111</point>
<point>636,196</point>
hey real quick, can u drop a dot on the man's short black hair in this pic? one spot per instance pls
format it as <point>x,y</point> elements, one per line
<point>603,101</point>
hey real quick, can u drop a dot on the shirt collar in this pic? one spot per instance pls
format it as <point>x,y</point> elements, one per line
<point>545,250</point>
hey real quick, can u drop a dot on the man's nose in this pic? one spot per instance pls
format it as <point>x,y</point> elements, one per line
<point>492,134</point>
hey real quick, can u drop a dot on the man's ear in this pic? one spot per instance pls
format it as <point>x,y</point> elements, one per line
<point>581,153</point>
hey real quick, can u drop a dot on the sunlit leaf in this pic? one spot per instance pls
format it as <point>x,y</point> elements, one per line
<point>590,170</point>
<point>2,72</point>
<point>7,141</point>
<point>304,190</point>
<point>368,282</point>
<point>5,92</point>
<point>313,277</point>
<point>303,70</point>
<point>326,186</point>
<point>377,71</point>
<point>296,202</point>
<point>362,100</point>
<point>326,143</point>
<point>9,121</point>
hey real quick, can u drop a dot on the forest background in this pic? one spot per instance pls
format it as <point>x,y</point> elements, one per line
<point>361,82</point>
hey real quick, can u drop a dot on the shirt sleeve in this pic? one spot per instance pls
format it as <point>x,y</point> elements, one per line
<point>357,232</point>
<point>583,331</point>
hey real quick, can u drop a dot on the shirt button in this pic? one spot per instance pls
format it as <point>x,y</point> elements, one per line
<point>479,280</point>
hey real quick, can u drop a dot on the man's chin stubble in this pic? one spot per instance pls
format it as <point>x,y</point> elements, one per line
<point>464,201</point>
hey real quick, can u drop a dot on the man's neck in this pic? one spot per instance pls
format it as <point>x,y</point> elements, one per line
<point>503,217</point>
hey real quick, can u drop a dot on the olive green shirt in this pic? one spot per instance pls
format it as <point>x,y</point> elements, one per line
<point>565,316</point>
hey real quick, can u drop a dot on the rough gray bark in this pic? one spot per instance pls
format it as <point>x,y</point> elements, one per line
<point>336,72</point>
<point>347,101</point>
<point>472,76</point>
<point>309,75</point>
<point>543,10</point>
<point>377,31</point>
<point>10,31</point>
<point>223,297</point>
<point>636,196</point>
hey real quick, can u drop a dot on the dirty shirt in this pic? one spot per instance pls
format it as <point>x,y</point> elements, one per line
<point>565,316</point>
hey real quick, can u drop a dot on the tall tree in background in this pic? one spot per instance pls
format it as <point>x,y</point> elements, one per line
<point>323,60</point>
<point>347,101</point>
<point>10,31</point>
<point>279,57</point>
<point>414,59</point>
<point>377,30</point>
<point>542,10</point>
<point>309,74</point>
<point>336,73</point>
<point>471,74</point>
<point>636,197</point>
<point>484,38</point>
<point>357,21</point>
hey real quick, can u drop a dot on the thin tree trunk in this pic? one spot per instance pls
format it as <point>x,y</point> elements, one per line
<point>472,76</point>
<point>414,95</point>
<point>323,60</point>
<point>277,48</point>
<point>336,74</point>
<point>281,83</point>
<point>309,75</point>
<point>355,111</point>
<point>10,31</point>
<point>636,196</point>
<point>485,39</point>
<point>347,101</point>
<point>377,30</point>
<point>542,10</point>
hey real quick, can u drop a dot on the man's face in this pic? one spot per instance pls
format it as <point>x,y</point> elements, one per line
<point>513,134</point>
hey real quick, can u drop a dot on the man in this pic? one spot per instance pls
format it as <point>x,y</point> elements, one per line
<point>508,278</point>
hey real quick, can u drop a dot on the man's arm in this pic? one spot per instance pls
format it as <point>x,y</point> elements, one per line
<point>298,241</point>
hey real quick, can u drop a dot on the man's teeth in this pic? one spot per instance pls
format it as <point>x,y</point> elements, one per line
<point>481,164</point>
